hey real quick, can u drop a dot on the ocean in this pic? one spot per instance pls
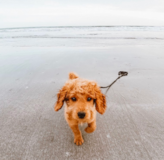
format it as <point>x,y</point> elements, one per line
<point>82,36</point>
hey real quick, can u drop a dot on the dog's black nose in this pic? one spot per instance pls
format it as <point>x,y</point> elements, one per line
<point>81,115</point>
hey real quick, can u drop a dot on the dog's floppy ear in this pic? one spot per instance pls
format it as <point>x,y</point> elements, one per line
<point>100,101</point>
<point>60,98</point>
<point>73,75</point>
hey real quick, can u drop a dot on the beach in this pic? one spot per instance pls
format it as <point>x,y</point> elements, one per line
<point>34,65</point>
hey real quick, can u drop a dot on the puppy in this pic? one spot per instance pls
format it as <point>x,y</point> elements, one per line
<point>82,99</point>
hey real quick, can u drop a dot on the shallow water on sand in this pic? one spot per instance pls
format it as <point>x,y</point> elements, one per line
<point>95,36</point>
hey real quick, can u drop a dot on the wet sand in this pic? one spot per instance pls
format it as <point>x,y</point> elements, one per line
<point>132,127</point>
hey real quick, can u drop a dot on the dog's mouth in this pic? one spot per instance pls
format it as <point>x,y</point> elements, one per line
<point>82,121</point>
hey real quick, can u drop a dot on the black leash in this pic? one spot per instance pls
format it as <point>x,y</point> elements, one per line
<point>120,74</point>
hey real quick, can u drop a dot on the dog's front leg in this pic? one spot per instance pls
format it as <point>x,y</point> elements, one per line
<point>91,127</point>
<point>78,139</point>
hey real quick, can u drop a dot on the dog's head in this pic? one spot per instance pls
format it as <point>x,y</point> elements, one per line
<point>81,96</point>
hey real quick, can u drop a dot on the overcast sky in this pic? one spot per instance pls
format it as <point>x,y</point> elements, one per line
<point>26,13</point>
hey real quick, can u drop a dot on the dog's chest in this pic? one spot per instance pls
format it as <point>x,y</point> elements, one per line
<point>82,124</point>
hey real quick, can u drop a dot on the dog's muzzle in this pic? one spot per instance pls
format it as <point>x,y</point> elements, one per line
<point>81,115</point>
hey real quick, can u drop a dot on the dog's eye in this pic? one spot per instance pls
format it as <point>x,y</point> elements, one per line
<point>89,99</point>
<point>74,99</point>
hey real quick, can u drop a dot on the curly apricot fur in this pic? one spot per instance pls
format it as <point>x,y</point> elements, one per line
<point>80,89</point>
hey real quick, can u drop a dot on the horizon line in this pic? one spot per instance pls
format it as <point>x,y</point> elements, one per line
<point>82,26</point>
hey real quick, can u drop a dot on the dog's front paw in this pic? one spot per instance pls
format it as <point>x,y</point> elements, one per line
<point>78,141</point>
<point>89,129</point>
